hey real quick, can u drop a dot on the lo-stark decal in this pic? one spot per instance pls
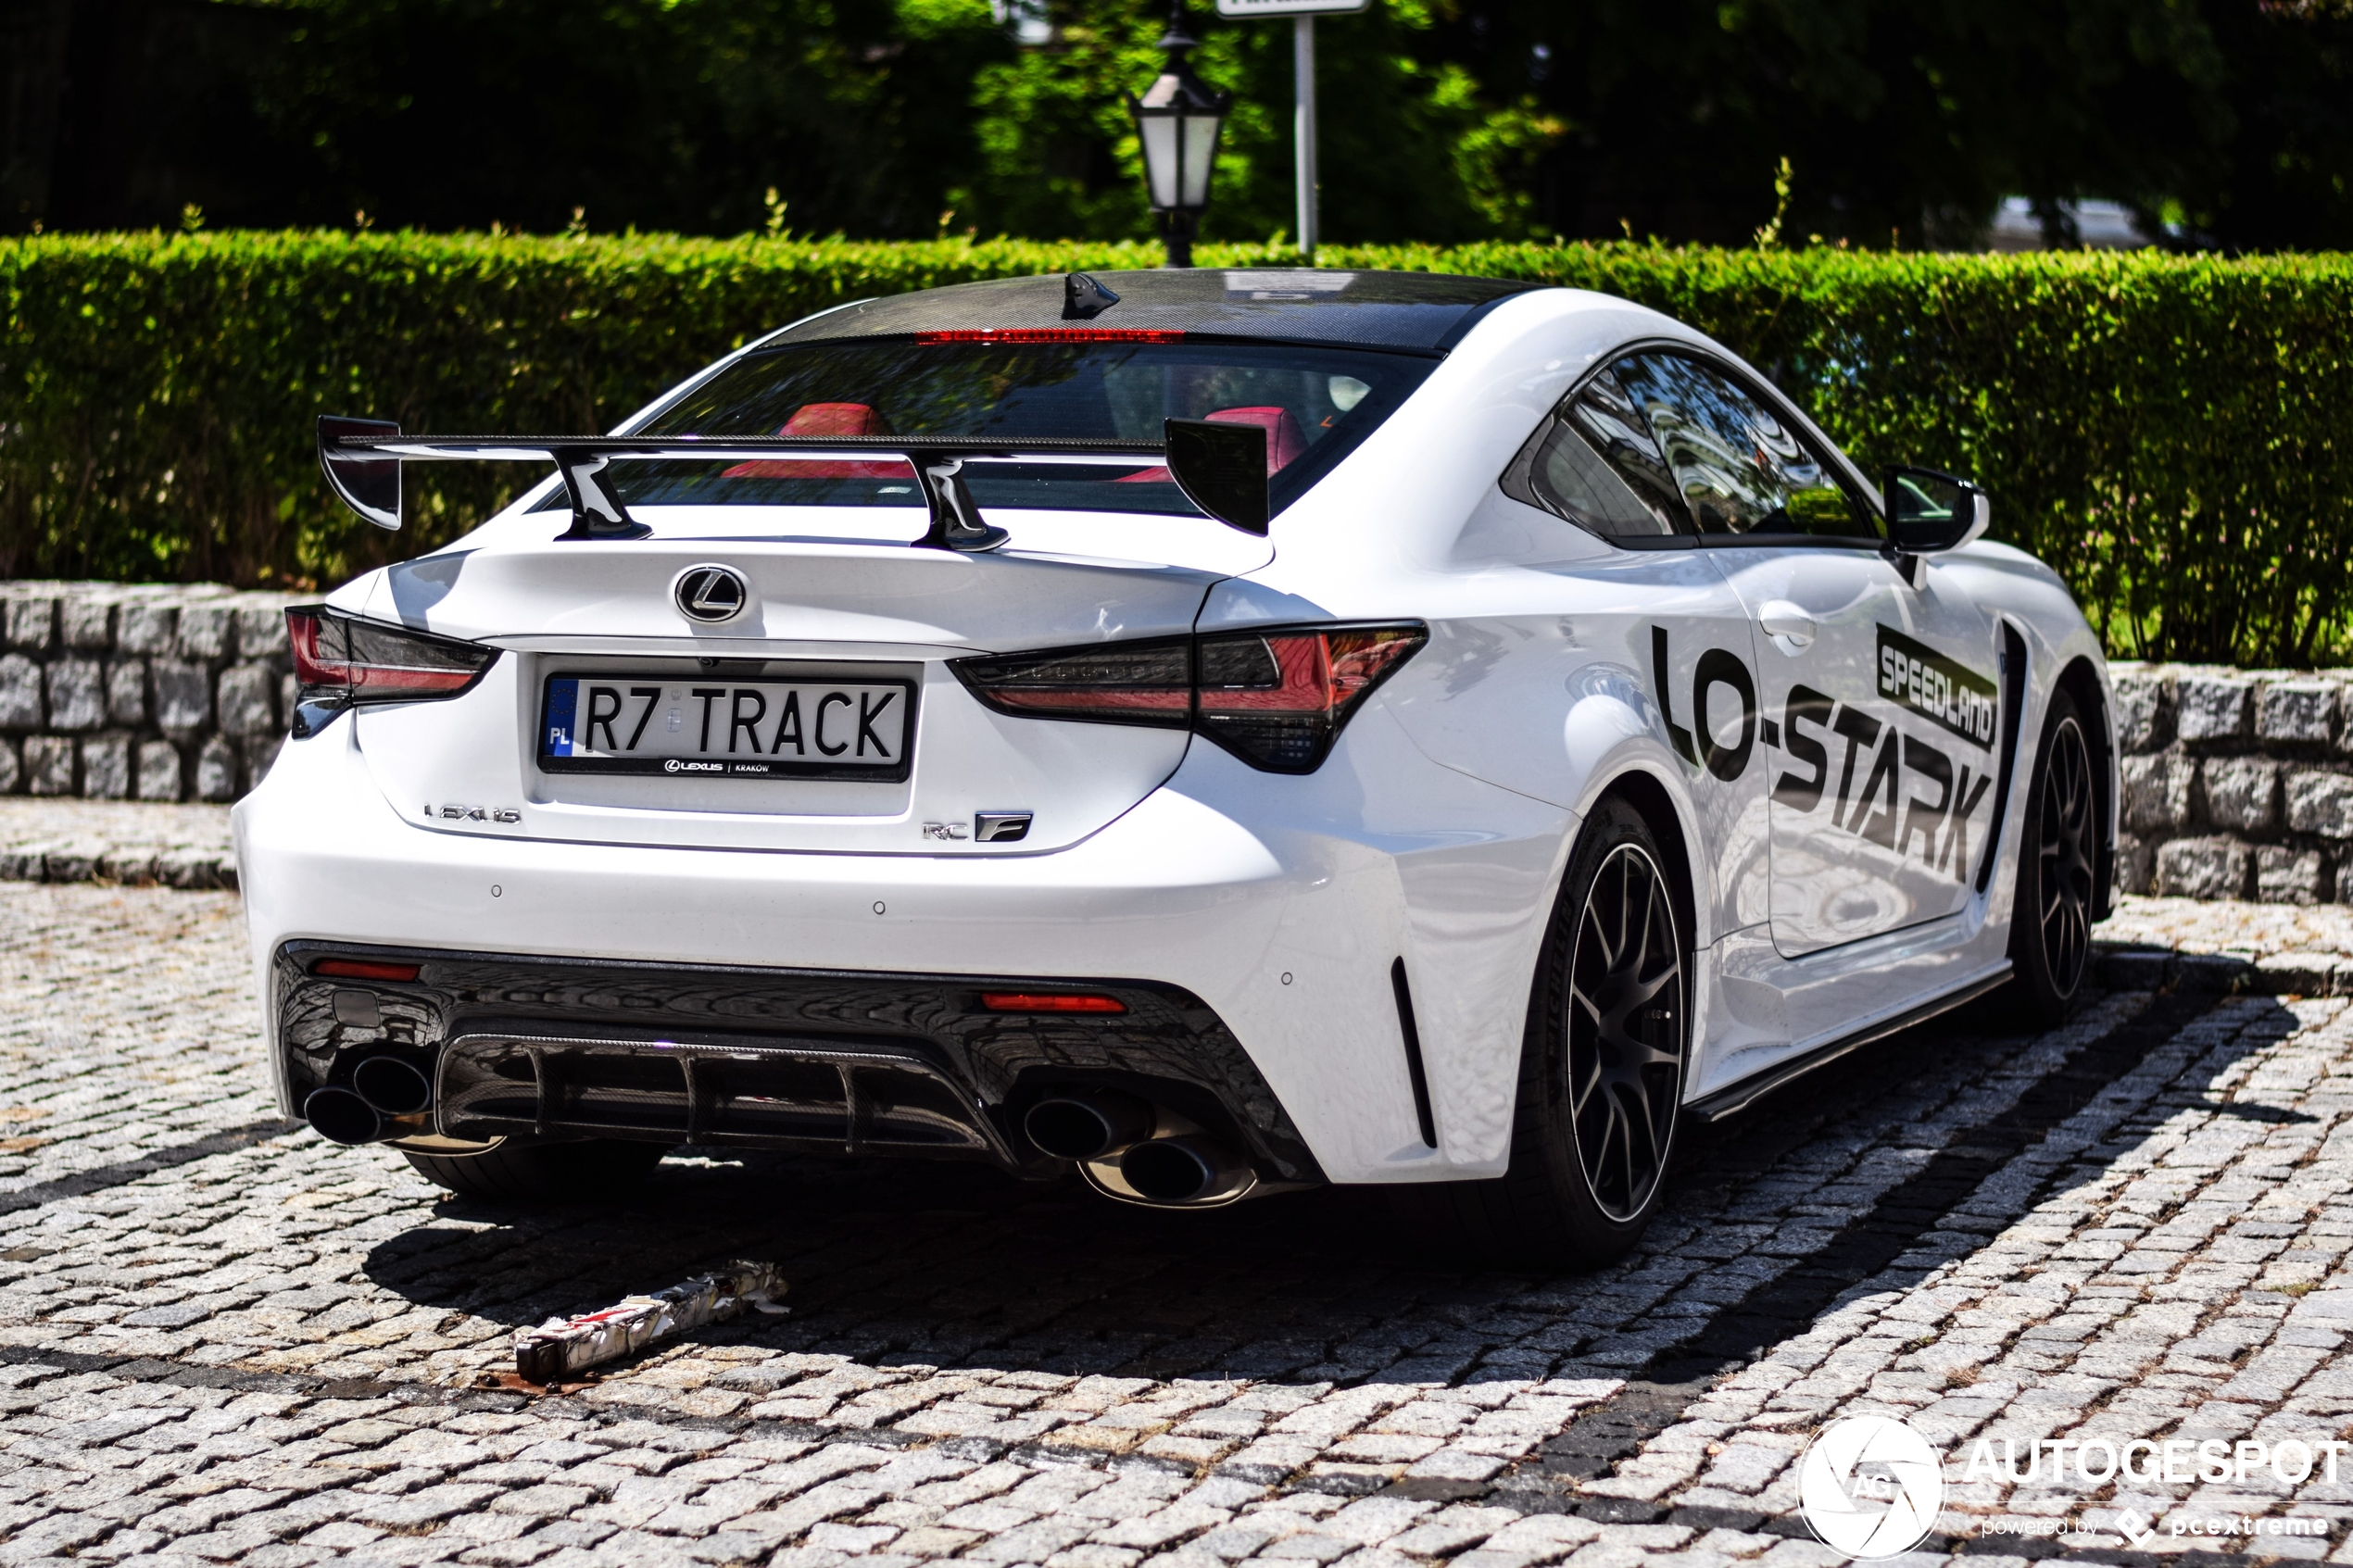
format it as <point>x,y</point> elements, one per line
<point>1927,682</point>
<point>1931,824</point>
<point>1717,668</point>
<point>1937,824</point>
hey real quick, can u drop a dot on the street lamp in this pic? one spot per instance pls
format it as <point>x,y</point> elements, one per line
<point>1177,120</point>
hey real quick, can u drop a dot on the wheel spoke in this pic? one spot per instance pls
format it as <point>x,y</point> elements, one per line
<point>2063,862</point>
<point>1633,1188</point>
<point>1580,1093</point>
<point>1625,1028</point>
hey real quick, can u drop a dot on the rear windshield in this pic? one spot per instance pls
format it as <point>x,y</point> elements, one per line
<point>1314,404</point>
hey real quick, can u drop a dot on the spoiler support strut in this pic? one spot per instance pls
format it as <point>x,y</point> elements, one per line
<point>1221,467</point>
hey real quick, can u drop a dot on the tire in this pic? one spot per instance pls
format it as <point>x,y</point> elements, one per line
<point>1602,1068</point>
<point>547,1172</point>
<point>2051,919</point>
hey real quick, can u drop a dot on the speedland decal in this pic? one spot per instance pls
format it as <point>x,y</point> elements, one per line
<point>1927,682</point>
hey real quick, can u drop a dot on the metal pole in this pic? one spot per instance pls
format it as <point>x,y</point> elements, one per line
<point>1303,67</point>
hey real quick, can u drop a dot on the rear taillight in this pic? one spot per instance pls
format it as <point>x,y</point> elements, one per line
<point>1117,684</point>
<point>1276,698</point>
<point>340,660</point>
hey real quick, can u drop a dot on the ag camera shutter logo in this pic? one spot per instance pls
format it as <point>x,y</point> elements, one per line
<point>710,594</point>
<point>1870,1487</point>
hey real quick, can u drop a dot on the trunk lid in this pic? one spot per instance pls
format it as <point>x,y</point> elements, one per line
<point>833,621</point>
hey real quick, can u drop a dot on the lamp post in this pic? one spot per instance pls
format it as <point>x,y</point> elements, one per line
<point>1177,120</point>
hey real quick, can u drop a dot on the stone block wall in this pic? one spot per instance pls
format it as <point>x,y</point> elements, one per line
<point>140,691</point>
<point>2238,783</point>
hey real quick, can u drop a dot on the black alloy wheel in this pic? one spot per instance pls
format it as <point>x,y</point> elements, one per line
<point>2063,844</point>
<point>1625,1033</point>
<point>1601,1073</point>
<point>2051,919</point>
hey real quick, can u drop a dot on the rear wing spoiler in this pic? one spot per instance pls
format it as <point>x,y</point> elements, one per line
<point>1220,468</point>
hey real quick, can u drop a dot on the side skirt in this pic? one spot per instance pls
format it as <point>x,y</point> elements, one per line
<point>1739,1096</point>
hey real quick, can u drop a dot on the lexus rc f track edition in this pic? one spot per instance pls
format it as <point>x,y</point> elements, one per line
<point>1220,732</point>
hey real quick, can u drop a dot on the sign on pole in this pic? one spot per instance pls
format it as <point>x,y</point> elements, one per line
<point>1303,14</point>
<point>1242,10</point>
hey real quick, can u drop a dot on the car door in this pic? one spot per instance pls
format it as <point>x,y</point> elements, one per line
<point>1876,691</point>
<point>1660,609</point>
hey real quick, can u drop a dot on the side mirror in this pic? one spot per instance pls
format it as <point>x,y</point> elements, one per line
<point>1929,512</point>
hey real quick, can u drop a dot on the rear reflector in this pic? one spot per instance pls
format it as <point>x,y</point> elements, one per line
<point>1053,334</point>
<point>1047,1001</point>
<point>360,968</point>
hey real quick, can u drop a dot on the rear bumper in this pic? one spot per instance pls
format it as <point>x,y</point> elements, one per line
<point>824,1062</point>
<point>1276,905</point>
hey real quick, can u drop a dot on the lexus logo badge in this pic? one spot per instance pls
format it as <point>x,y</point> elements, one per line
<point>711,594</point>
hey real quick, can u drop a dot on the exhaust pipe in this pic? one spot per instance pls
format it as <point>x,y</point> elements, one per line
<point>392,1085</point>
<point>1186,1169</point>
<point>1089,1123</point>
<point>340,1116</point>
<point>385,1093</point>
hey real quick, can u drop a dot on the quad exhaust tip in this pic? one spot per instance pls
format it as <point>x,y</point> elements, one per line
<point>1087,1124</point>
<point>340,1116</point>
<point>1187,1169</point>
<point>392,1085</point>
<point>1129,1148</point>
<point>385,1092</point>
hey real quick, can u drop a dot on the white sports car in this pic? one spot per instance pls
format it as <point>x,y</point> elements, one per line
<point>1222,732</point>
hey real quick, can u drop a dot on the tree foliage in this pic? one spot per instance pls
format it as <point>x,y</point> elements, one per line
<point>2167,432</point>
<point>1899,121</point>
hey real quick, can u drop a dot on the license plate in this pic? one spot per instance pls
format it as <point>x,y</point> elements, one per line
<point>704,728</point>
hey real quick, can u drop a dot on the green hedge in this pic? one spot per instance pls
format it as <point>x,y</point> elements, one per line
<point>2172,434</point>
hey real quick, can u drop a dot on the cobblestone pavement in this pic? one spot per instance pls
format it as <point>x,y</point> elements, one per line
<point>64,840</point>
<point>222,1340</point>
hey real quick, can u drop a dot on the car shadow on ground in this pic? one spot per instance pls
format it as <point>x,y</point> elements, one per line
<point>946,1265</point>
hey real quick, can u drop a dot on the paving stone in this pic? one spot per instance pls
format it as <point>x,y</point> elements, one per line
<point>2213,706</point>
<point>2298,712</point>
<point>2242,792</point>
<point>247,700</point>
<point>1996,1233</point>
<point>2321,802</point>
<point>49,764</point>
<point>2286,876</point>
<point>2212,867</point>
<point>2157,791</point>
<point>75,690</point>
<point>86,619</point>
<point>2144,706</point>
<point>33,622</point>
<point>216,770</point>
<point>184,697</point>
<point>20,706</point>
<point>159,772</point>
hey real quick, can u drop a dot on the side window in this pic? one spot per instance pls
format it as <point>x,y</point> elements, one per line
<point>1595,464</point>
<point>1734,463</point>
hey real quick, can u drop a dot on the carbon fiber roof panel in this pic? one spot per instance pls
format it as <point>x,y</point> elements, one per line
<point>1413,310</point>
